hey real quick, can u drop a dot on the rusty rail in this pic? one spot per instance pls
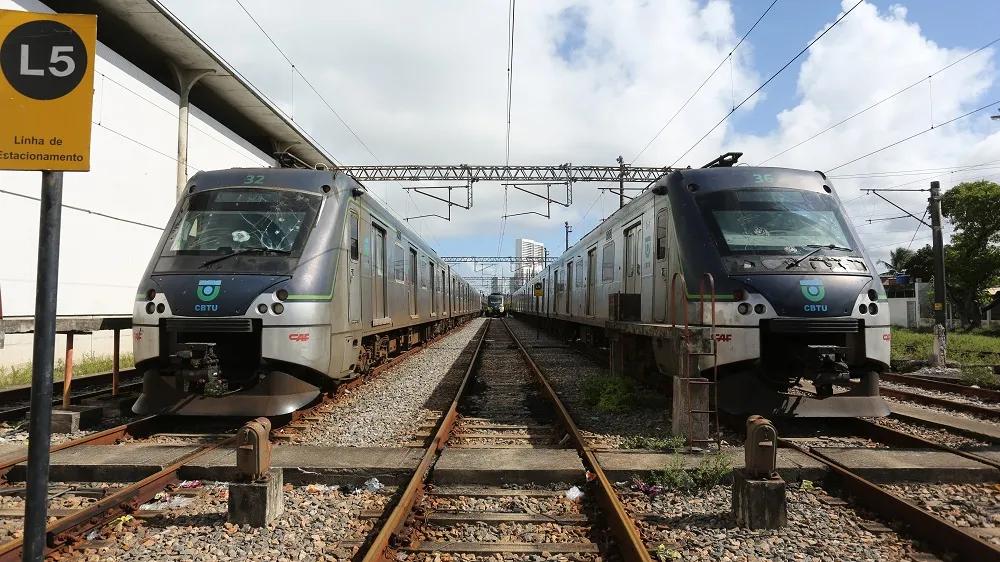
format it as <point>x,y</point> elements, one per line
<point>380,548</point>
<point>991,413</point>
<point>626,534</point>
<point>892,436</point>
<point>942,386</point>
<point>64,530</point>
<point>929,527</point>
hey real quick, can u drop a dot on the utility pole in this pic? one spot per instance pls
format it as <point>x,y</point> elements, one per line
<point>621,181</point>
<point>939,286</point>
<point>568,230</point>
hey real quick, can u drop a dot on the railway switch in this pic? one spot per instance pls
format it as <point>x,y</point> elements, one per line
<point>253,456</point>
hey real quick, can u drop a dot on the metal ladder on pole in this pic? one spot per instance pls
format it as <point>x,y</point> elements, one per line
<point>690,355</point>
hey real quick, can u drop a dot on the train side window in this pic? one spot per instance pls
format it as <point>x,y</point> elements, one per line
<point>355,252</point>
<point>608,263</point>
<point>661,234</point>
<point>398,263</point>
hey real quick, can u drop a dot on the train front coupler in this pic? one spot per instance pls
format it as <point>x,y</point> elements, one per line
<point>196,369</point>
<point>827,366</point>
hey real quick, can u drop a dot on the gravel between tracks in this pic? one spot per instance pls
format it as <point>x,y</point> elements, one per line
<point>386,411</point>
<point>940,436</point>
<point>699,526</point>
<point>566,369</point>
<point>964,505</point>
<point>315,523</point>
<point>954,397</point>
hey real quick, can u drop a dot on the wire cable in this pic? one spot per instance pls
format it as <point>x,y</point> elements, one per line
<point>82,210</point>
<point>703,82</point>
<point>879,102</point>
<point>913,136</point>
<point>768,81</point>
<point>510,97</point>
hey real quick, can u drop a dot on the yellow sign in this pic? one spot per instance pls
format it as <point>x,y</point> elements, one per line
<point>538,290</point>
<point>46,90</point>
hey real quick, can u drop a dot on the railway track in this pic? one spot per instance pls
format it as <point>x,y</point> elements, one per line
<point>69,526</point>
<point>14,402</point>
<point>505,402</point>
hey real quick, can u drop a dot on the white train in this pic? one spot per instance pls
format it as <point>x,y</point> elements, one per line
<point>799,310</point>
<point>272,285</point>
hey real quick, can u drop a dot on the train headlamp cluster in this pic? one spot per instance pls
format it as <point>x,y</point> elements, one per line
<point>745,308</point>
<point>152,307</point>
<point>276,308</point>
<point>868,308</point>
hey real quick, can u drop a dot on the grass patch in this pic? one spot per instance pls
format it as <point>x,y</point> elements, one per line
<point>981,376</point>
<point>609,394</point>
<point>711,471</point>
<point>963,347</point>
<point>88,364</point>
<point>670,443</point>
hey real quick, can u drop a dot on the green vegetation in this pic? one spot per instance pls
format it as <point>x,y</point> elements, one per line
<point>711,471</point>
<point>973,348</point>
<point>669,443</point>
<point>664,554</point>
<point>609,394</point>
<point>89,364</point>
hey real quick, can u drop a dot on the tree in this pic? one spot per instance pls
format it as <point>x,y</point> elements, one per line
<point>972,260</point>
<point>921,264</point>
<point>899,259</point>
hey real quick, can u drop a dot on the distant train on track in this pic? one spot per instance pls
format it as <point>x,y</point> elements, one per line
<point>270,286</point>
<point>796,298</point>
<point>495,305</point>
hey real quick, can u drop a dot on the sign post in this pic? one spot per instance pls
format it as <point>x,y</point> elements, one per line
<point>46,96</point>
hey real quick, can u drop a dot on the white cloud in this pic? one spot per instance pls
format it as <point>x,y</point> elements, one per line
<point>592,80</point>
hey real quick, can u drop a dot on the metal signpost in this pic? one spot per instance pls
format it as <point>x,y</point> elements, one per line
<point>46,96</point>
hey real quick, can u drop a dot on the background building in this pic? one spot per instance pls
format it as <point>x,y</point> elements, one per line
<point>525,248</point>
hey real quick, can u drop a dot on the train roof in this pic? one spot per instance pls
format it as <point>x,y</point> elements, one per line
<point>295,178</point>
<point>737,177</point>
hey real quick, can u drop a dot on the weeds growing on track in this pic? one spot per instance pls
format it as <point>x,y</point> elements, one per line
<point>669,443</point>
<point>612,394</point>
<point>971,350</point>
<point>88,364</point>
<point>714,469</point>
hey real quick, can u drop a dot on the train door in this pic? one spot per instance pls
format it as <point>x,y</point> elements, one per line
<point>591,282</point>
<point>354,270</point>
<point>569,288</point>
<point>412,282</point>
<point>434,297</point>
<point>661,284</point>
<point>378,273</point>
<point>633,265</point>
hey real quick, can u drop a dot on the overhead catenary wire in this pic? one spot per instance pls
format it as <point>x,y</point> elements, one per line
<point>913,136</point>
<point>879,102</point>
<point>510,96</point>
<point>329,106</point>
<point>703,82</point>
<point>766,82</point>
<point>82,210</point>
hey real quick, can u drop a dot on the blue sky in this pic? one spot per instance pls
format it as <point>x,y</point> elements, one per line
<point>792,24</point>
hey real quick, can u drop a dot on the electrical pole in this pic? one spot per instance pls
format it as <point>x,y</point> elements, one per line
<point>568,230</point>
<point>621,181</point>
<point>939,285</point>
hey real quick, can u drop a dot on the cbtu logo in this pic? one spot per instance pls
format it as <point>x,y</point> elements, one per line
<point>813,291</point>
<point>208,289</point>
<point>815,308</point>
<point>206,308</point>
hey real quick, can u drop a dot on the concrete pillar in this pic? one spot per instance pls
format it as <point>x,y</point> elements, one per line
<point>690,393</point>
<point>186,79</point>
<point>759,503</point>
<point>939,357</point>
<point>257,503</point>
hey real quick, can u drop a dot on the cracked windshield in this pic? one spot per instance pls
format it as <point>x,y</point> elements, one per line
<point>243,220</point>
<point>777,222</point>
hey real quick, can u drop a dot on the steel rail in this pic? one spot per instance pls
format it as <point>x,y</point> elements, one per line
<point>381,546</point>
<point>942,386</point>
<point>627,535</point>
<point>892,436</point>
<point>992,413</point>
<point>62,531</point>
<point>18,412</point>
<point>22,392</point>
<point>923,524</point>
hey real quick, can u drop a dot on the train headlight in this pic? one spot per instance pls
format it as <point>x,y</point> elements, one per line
<point>744,308</point>
<point>160,308</point>
<point>873,308</point>
<point>738,295</point>
<point>759,309</point>
<point>150,294</point>
<point>262,308</point>
<point>281,294</point>
<point>277,308</point>
<point>872,295</point>
<point>150,308</point>
<point>863,308</point>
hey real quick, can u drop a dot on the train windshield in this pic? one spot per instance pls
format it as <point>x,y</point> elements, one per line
<point>775,221</point>
<point>221,223</point>
<point>494,300</point>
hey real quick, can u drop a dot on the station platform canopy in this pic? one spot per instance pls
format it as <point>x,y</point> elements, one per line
<point>149,36</point>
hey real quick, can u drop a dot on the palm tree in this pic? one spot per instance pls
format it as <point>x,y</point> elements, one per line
<point>899,259</point>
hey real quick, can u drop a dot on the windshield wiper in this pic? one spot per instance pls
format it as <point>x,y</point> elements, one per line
<point>817,247</point>
<point>240,252</point>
